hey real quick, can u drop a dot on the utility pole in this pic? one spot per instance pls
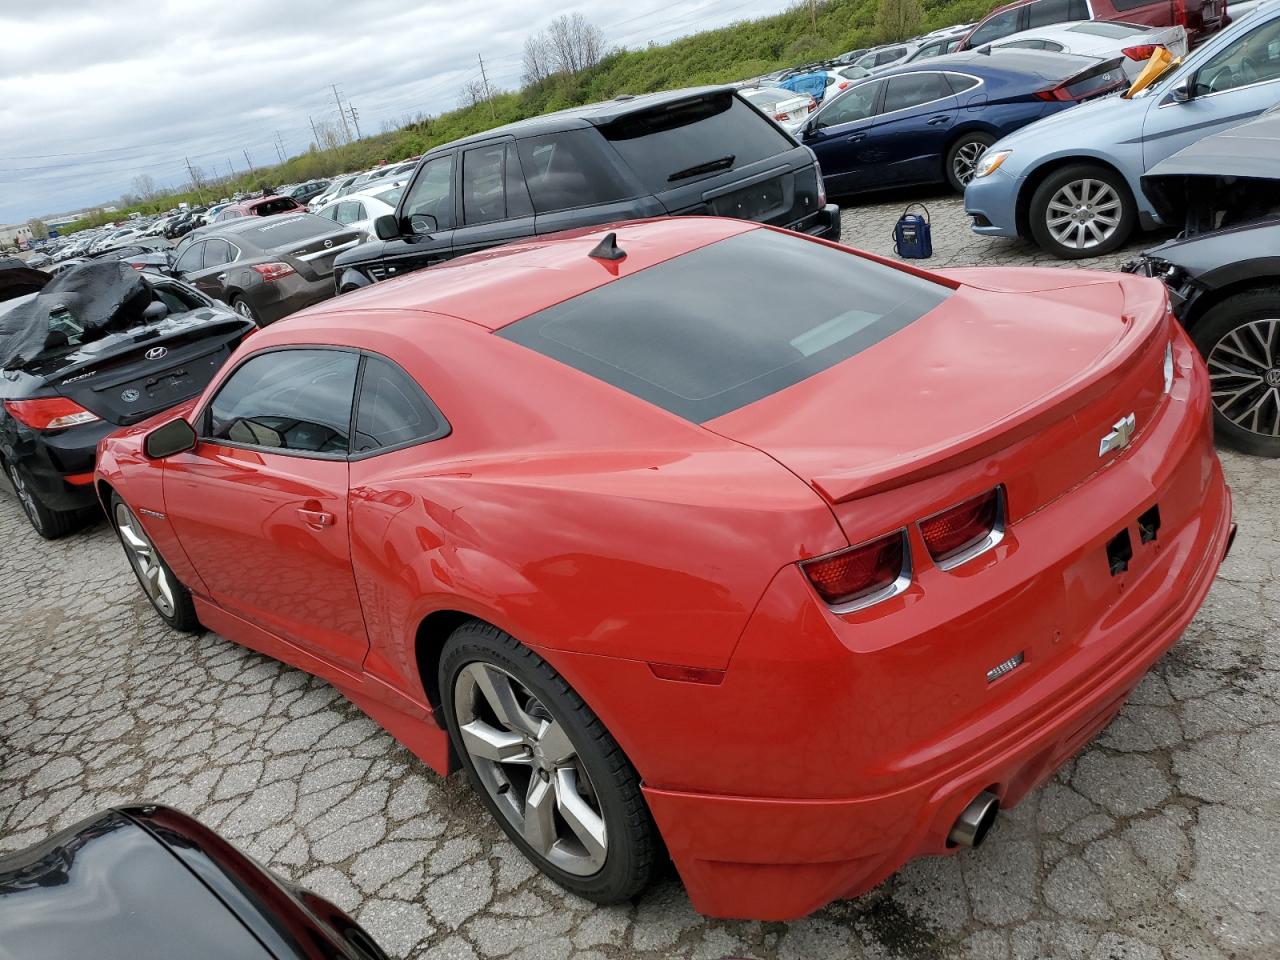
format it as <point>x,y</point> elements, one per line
<point>355,117</point>
<point>341,112</point>
<point>195,180</point>
<point>315,133</point>
<point>487,95</point>
<point>231,171</point>
<point>249,162</point>
<point>278,143</point>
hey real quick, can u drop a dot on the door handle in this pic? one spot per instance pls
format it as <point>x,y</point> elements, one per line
<point>934,121</point>
<point>316,519</point>
<point>854,137</point>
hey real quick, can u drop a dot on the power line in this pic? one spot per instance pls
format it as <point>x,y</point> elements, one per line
<point>341,113</point>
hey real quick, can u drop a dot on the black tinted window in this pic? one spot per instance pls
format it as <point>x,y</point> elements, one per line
<point>431,194</point>
<point>518,202</point>
<point>856,104</point>
<point>1001,25</point>
<point>661,336</point>
<point>277,231</point>
<point>913,90</point>
<point>483,192</point>
<point>288,400</point>
<point>569,169</point>
<point>673,144</point>
<point>393,410</point>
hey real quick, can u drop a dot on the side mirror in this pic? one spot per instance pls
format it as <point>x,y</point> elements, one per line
<point>176,436</point>
<point>387,227</point>
<point>422,224</point>
<point>155,311</point>
<point>1183,92</point>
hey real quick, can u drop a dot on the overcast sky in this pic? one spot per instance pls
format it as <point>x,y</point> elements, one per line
<point>100,91</point>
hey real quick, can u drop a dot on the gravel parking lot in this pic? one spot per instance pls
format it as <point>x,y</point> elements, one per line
<point>1161,840</point>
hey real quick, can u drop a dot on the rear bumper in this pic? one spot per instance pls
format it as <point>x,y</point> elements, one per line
<point>275,301</point>
<point>825,224</point>
<point>778,859</point>
<point>48,459</point>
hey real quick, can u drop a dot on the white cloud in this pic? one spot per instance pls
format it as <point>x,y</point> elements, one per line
<point>99,91</point>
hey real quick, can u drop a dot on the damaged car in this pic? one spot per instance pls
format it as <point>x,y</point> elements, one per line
<point>1223,271</point>
<point>98,347</point>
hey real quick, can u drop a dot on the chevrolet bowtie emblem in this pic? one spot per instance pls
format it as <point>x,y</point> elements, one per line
<point>1121,434</point>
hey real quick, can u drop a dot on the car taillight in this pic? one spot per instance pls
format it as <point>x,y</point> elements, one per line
<point>782,116</point>
<point>960,532</point>
<point>861,575</point>
<point>1143,52</point>
<point>842,85</point>
<point>1056,94</point>
<point>813,104</point>
<point>271,272</point>
<point>822,185</point>
<point>49,413</point>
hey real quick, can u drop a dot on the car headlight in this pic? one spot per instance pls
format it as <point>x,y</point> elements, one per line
<point>990,162</point>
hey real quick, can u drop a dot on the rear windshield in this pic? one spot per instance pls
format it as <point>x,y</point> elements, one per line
<point>284,229</point>
<point>269,207</point>
<point>673,144</point>
<point>721,327</point>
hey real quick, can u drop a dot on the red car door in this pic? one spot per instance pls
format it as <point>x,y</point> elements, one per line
<point>260,504</point>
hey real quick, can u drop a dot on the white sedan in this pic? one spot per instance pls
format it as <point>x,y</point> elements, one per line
<point>786,108</point>
<point>1135,42</point>
<point>360,209</point>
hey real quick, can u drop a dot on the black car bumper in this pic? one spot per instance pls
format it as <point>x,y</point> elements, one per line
<point>825,224</point>
<point>58,465</point>
<point>274,301</point>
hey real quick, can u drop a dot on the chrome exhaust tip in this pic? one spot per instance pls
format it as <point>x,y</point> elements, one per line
<point>975,821</point>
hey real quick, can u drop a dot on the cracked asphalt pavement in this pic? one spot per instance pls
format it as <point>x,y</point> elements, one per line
<point>1161,839</point>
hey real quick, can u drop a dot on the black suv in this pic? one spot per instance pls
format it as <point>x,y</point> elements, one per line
<point>698,151</point>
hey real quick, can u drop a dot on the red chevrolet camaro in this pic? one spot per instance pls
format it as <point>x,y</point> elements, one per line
<point>803,561</point>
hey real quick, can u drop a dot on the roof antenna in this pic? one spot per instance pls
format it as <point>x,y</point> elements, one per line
<point>607,249</point>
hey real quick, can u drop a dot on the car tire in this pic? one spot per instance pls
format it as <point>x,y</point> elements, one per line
<point>49,523</point>
<point>168,597</point>
<point>1103,195</point>
<point>595,777</point>
<point>243,307</point>
<point>1225,335</point>
<point>963,156</point>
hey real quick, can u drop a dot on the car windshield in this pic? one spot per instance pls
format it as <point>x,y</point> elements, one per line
<point>658,334</point>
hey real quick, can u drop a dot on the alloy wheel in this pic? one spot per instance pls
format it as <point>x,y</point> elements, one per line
<point>528,764</point>
<point>1244,376</point>
<point>142,554</point>
<point>1083,214</point>
<point>966,161</point>
<point>243,308</point>
<point>25,497</point>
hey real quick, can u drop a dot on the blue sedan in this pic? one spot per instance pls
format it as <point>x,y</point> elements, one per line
<point>931,121</point>
<point>1074,183</point>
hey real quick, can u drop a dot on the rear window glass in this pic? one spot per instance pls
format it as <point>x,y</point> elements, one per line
<point>673,144</point>
<point>569,169</point>
<point>269,207</point>
<point>714,330</point>
<point>284,229</point>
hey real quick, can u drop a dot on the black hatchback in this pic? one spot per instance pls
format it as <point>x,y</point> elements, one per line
<point>83,354</point>
<point>684,152</point>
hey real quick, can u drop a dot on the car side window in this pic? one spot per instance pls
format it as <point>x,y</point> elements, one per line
<point>392,409</point>
<point>1253,58</point>
<point>217,252</point>
<point>191,259</point>
<point>961,82</point>
<point>346,212</point>
<point>1000,25</point>
<point>330,212</point>
<point>483,190</point>
<point>569,169</point>
<point>856,104</point>
<point>297,400</point>
<point>890,55</point>
<point>1044,12</point>
<point>431,195</point>
<point>519,203</point>
<point>914,89</point>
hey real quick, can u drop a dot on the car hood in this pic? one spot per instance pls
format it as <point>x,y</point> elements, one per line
<point>1105,120</point>
<point>1245,247</point>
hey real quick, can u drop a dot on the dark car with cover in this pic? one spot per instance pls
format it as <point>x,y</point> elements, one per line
<point>96,348</point>
<point>1223,270</point>
<point>697,151</point>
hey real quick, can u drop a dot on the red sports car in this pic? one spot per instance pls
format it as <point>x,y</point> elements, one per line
<point>803,561</point>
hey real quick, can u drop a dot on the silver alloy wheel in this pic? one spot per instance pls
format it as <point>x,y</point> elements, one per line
<point>25,497</point>
<point>142,554</point>
<point>242,307</point>
<point>966,161</point>
<point>530,768</point>
<point>1244,376</point>
<point>1083,213</point>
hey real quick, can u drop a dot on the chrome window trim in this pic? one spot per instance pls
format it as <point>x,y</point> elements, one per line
<point>1170,102</point>
<point>989,542</point>
<point>894,589</point>
<point>917,73</point>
